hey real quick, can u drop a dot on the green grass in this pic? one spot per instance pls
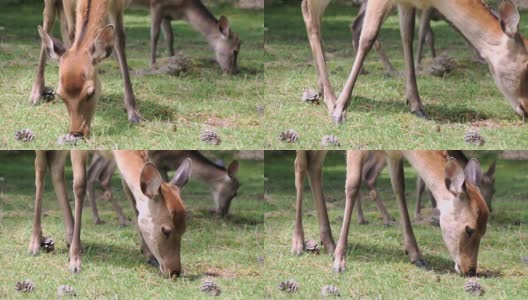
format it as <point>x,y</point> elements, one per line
<point>202,98</point>
<point>112,264</point>
<point>377,267</point>
<point>377,117</point>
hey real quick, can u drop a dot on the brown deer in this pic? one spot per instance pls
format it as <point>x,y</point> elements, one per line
<point>222,182</point>
<point>463,211</point>
<point>158,204</point>
<point>218,33</point>
<point>94,29</point>
<point>497,39</point>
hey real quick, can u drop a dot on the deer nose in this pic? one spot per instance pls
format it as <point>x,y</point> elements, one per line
<point>472,272</point>
<point>175,274</point>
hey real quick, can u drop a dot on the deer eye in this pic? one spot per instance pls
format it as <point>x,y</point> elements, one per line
<point>166,231</point>
<point>469,231</point>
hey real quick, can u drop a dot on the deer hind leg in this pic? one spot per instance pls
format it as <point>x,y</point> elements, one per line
<point>398,185</point>
<point>50,12</point>
<point>156,19</point>
<point>353,181</point>
<point>425,34</point>
<point>41,165</point>
<point>130,98</point>
<point>407,15</point>
<point>313,11</point>
<point>168,34</point>
<point>301,164</point>
<point>105,179</point>
<point>57,161</point>
<point>374,16</point>
<point>361,216</point>
<point>373,192</point>
<point>94,171</point>
<point>420,188</point>
<point>78,158</point>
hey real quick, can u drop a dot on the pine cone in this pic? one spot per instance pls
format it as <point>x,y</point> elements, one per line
<point>47,244</point>
<point>473,137</point>
<point>25,286</point>
<point>66,290</point>
<point>68,139</point>
<point>472,286</point>
<point>290,286</point>
<point>330,140</point>
<point>210,137</point>
<point>290,136</point>
<point>312,246</point>
<point>48,94</point>
<point>210,287</point>
<point>330,290</point>
<point>25,135</point>
<point>310,96</point>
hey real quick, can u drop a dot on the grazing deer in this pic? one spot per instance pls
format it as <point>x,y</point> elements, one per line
<point>497,39</point>
<point>158,204</point>
<point>94,28</point>
<point>218,33</point>
<point>222,182</point>
<point>463,211</point>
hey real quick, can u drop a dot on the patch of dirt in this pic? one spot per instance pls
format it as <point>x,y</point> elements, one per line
<point>174,66</point>
<point>485,123</point>
<point>213,271</point>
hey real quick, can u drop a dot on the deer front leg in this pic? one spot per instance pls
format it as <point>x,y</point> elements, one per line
<point>398,185</point>
<point>353,181</point>
<point>315,170</point>
<point>407,15</point>
<point>49,14</point>
<point>301,162</point>
<point>78,158</point>
<point>41,165</point>
<point>57,161</point>
<point>374,16</point>
<point>168,34</point>
<point>156,20</point>
<point>130,98</point>
<point>313,11</point>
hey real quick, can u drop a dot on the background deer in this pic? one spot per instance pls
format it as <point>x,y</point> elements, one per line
<point>158,204</point>
<point>497,39</point>
<point>98,27</point>
<point>463,211</point>
<point>218,33</point>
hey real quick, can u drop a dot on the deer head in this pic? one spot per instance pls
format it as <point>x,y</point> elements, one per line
<point>487,185</point>
<point>463,220</point>
<point>226,189</point>
<point>226,45</point>
<point>79,85</point>
<point>162,219</point>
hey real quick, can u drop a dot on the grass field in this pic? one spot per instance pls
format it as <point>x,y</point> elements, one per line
<point>377,267</point>
<point>177,109</point>
<point>377,117</point>
<point>113,267</point>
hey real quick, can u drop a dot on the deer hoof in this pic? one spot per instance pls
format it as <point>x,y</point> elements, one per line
<point>363,222</point>
<point>420,114</point>
<point>75,265</point>
<point>420,263</point>
<point>387,225</point>
<point>99,221</point>
<point>338,119</point>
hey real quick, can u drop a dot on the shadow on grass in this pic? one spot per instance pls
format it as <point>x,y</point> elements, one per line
<point>231,219</point>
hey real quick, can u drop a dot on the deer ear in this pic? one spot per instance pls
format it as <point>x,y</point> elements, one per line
<point>232,169</point>
<point>454,177</point>
<point>491,170</point>
<point>103,44</point>
<point>150,180</point>
<point>181,177</point>
<point>53,46</point>
<point>223,26</point>
<point>509,18</point>
<point>473,172</point>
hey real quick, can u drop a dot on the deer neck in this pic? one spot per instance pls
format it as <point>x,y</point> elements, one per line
<point>91,17</point>
<point>202,20</point>
<point>206,170</point>
<point>130,163</point>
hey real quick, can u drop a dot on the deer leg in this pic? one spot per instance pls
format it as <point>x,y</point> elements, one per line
<point>49,14</point>
<point>423,34</point>
<point>381,207</point>
<point>313,11</point>
<point>420,187</point>
<point>130,98</point>
<point>374,16</point>
<point>78,158</point>
<point>94,171</point>
<point>57,161</point>
<point>398,185</point>
<point>407,32</point>
<point>41,164</point>
<point>355,29</point>
<point>301,164</point>
<point>353,181</point>
<point>361,217</point>
<point>169,35</point>
<point>105,180</point>
<point>315,170</point>
<point>69,8</point>
<point>154,33</point>
<point>389,68</point>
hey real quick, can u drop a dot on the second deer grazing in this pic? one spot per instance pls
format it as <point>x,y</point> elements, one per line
<point>218,33</point>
